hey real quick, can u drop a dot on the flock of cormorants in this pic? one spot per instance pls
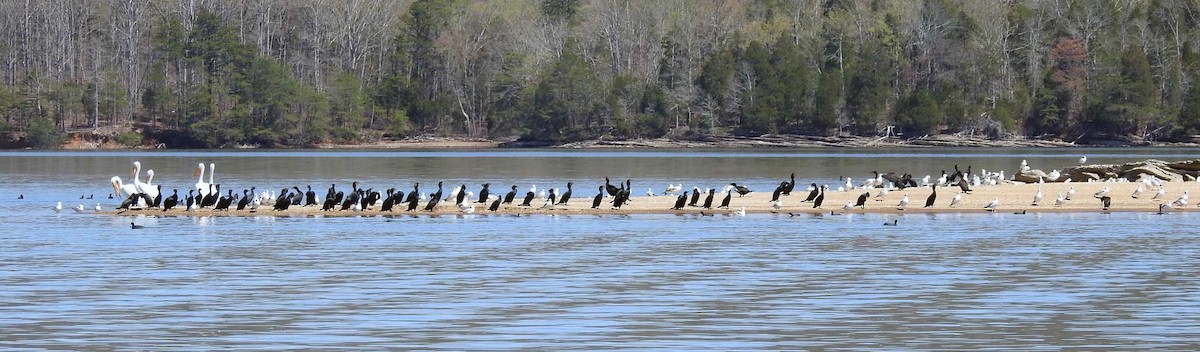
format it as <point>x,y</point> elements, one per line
<point>206,194</point>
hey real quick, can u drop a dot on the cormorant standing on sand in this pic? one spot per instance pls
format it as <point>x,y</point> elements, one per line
<point>695,196</point>
<point>862,200</point>
<point>778,190</point>
<point>508,198</point>
<point>725,201</point>
<point>813,194</point>
<point>787,191</point>
<point>495,205</point>
<point>599,197</point>
<point>741,190</point>
<point>483,193</point>
<point>932,197</point>
<point>679,201</point>
<point>566,196</point>
<point>820,198</point>
<point>708,200</point>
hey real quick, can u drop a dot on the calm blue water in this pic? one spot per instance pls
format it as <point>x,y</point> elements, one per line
<point>1089,281</point>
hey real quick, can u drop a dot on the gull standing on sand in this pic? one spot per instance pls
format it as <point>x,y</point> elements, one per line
<point>903,202</point>
<point>992,206</point>
<point>1102,193</point>
<point>1137,191</point>
<point>1037,197</point>
<point>1162,192</point>
<point>1182,201</point>
<point>1070,192</point>
<point>1058,202</point>
<point>882,194</point>
<point>957,200</point>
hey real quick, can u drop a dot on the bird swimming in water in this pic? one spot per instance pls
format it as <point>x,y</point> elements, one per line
<point>57,207</point>
<point>135,226</point>
<point>894,222</point>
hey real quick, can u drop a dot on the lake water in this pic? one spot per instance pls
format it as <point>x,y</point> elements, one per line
<point>1087,281</point>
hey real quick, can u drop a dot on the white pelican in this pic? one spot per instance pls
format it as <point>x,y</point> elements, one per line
<point>992,206</point>
<point>149,188</point>
<point>903,202</point>
<point>1083,160</point>
<point>119,187</point>
<point>1037,198</point>
<point>957,200</point>
<point>201,186</point>
<point>57,207</point>
<point>1058,202</point>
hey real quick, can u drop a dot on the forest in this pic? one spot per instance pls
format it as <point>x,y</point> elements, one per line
<point>293,73</point>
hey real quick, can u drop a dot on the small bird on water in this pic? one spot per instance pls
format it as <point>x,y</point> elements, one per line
<point>135,226</point>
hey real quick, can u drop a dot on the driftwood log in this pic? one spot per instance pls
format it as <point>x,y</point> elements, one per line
<point>1187,170</point>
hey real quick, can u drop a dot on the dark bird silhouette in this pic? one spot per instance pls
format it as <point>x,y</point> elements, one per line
<point>894,222</point>
<point>331,192</point>
<point>741,190</point>
<point>620,199</point>
<point>462,194</point>
<point>225,201</point>
<point>282,202</point>
<point>242,203</point>
<point>725,201</point>
<point>812,195</point>
<point>310,197</point>
<point>413,196</point>
<point>332,201</point>
<point>508,198</point>
<point>566,196</point>
<point>820,198</point>
<point>695,196</point>
<point>862,200</point>
<point>413,202</point>
<point>171,201</point>
<point>22,196</point>
<point>708,199</point>
<point>596,201</point>
<point>528,198</point>
<point>297,197</point>
<point>135,226</point>
<point>211,198</point>
<point>189,200</point>
<point>932,197</point>
<point>128,202</point>
<point>437,195</point>
<point>157,199</point>
<point>778,191</point>
<point>962,184</point>
<point>1106,201</point>
<point>484,193</point>
<point>679,201</point>
<point>433,201</point>
<point>495,205</point>
<point>791,185</point>
<point>612,190</point>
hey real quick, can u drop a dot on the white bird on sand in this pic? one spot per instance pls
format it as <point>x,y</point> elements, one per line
<point>1182,201</point>
<point>777,204</point>
<point>903,202</point>
<point>1162,191</point>
<point>882,194</point>
<point>1070,192</point>
<point>741,212</point>
<point>957,200</point>
<point>1053,175</point>
<point>548,204</point>
<point>79,209</point>
<point>1137,191</point>
<point>650,192</point>
<point>466,207</point>
<point>423,197</point>
<point>1083,160</point>
<point>672,189</point>
<point>992,206</point>
<point>1102,193</point>
<point>849,186</point>
<point>849,205</point>
<point>1058,202</point>
<point>925,181</point>
<point>57,208</point>
<point>1037,197</point>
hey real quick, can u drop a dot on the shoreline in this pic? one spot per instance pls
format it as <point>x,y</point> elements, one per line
<point>1014,198</point>
<point>714,142</point>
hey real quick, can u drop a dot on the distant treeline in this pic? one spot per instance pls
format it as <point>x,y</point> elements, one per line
<point>290,73</point>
